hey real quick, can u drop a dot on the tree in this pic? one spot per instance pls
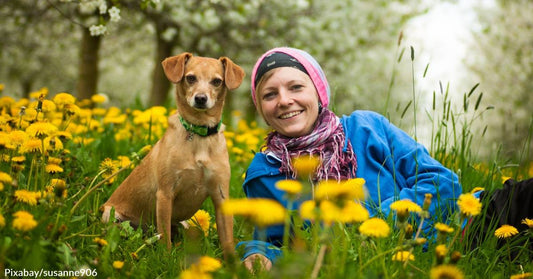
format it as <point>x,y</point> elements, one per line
<point>503,62</point>
<point>36,48</point>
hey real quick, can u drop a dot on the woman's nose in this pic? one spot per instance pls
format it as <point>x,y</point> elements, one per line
<point>285,98</point>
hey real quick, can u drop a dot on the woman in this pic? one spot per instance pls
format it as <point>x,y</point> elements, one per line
<point>291,93</point>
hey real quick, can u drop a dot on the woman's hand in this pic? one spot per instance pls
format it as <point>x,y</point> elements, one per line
<point>250,261</point>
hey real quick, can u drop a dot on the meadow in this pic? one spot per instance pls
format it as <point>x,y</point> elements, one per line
<point>61,158</point>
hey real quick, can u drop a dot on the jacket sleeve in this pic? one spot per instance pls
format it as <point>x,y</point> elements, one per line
<point>421,174</point>
<point>397,167</point>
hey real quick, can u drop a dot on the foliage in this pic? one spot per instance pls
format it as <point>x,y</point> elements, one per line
<point>502,61</point>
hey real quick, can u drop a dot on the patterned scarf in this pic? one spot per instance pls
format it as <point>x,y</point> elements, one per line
<point>325,141</point>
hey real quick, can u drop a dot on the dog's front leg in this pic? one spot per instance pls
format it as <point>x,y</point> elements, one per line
<point>164,216</point>
<point>224,222</point>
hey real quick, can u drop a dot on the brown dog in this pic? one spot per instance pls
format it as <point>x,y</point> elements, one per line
<point>190,162</point>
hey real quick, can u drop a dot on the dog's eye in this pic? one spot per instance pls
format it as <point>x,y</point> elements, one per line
<point>190,79</point>
<point>216,82</point>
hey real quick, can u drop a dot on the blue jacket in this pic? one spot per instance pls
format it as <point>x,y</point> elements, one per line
<point>392,163</point>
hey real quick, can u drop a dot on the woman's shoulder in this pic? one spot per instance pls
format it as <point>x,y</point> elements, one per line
<point>364,118</point>
<point>262,164</point>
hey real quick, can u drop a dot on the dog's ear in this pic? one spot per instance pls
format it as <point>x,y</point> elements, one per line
<point>233,73</point>
<point>175,66</point>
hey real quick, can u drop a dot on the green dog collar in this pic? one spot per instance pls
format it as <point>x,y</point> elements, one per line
<point>200,130</point>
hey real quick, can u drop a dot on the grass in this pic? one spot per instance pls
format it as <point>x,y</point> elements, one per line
<point>86,150</point>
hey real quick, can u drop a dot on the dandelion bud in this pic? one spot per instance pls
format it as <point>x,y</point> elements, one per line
<point>440,253</point>
<point>409,231</point>
<point>22,111</point>
<point>455,257</point>
<point>427,201</point>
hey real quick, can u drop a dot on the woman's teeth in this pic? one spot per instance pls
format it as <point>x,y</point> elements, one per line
<point>290,114</point>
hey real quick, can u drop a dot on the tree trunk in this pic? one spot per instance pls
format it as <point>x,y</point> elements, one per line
<point>88,65</point>
<point>160,83</point>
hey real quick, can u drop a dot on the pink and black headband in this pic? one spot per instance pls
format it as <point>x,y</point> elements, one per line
<point>296,58</point>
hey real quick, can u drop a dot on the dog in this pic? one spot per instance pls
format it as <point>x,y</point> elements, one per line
<point>190,162</point>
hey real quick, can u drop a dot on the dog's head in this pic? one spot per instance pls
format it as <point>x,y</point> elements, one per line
<point>201,81</point>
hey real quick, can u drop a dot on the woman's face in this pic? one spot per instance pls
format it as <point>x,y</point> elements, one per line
<point>288,102</point>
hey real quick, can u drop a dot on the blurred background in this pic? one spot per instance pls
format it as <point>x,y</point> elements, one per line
<point>410,60</point>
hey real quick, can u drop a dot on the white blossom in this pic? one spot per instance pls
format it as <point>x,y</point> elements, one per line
<point>114,14</point>
<point>97,30</point>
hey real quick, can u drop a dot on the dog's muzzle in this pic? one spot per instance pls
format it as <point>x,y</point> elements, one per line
<point>200,101</point>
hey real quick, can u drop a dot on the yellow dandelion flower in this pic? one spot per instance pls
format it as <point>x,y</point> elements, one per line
<point>254,210</point>
<point>292,187</point>
<point>53,144</point>
<point>45,105</point>
<point>305,166</point>
<point>505,178</point>
<point>441,250</point>
<point>145,150</point>
<point>446,272</point>
<point>443,228</point>
<point>32,146</point>
<point>194,273</point>
<point>41,92</point>
<point>354,212</point>
<point>357,188</point>
<point>505,231</point>
<point>308,210</point>
<point>375,227</point>
<point>201,219</point>
<point>330,189</point>
<point>18,159</point>
<point>54,160</point>
<point>28,197</point>
<point>100,241</point>
<point>404,207</point>
<point>18,137</point>
<point>5,178</point>
<point>477,189</point>
<point>329,212</point>
<point>72,109</point>
<point>2,221</point>
<point>108,167</point>
<point>23,221</point>
<point>58,187</point>
<point>62,99</point>
<point>276,212</point>
<point>41,129</point>
<point>403,256</point>
<point>528,222</point>
<point>99,98</point>
<point>469,205</point>
<point>118,264</point>
<point>63,135</point>
<point>522,275</point>
<point>120,119</point>
<point>208,264</point>
<point>53,168</point>
<point>124,161</point>
<point>5,101</point>
<point>1,186</point>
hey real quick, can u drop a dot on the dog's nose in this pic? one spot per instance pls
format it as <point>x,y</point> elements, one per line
<point>200,99</point>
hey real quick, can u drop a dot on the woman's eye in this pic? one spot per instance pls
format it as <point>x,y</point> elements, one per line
<point>216,82</point>
<point>268,95</point>
<point>190,79</point>
<point>297,87</point>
